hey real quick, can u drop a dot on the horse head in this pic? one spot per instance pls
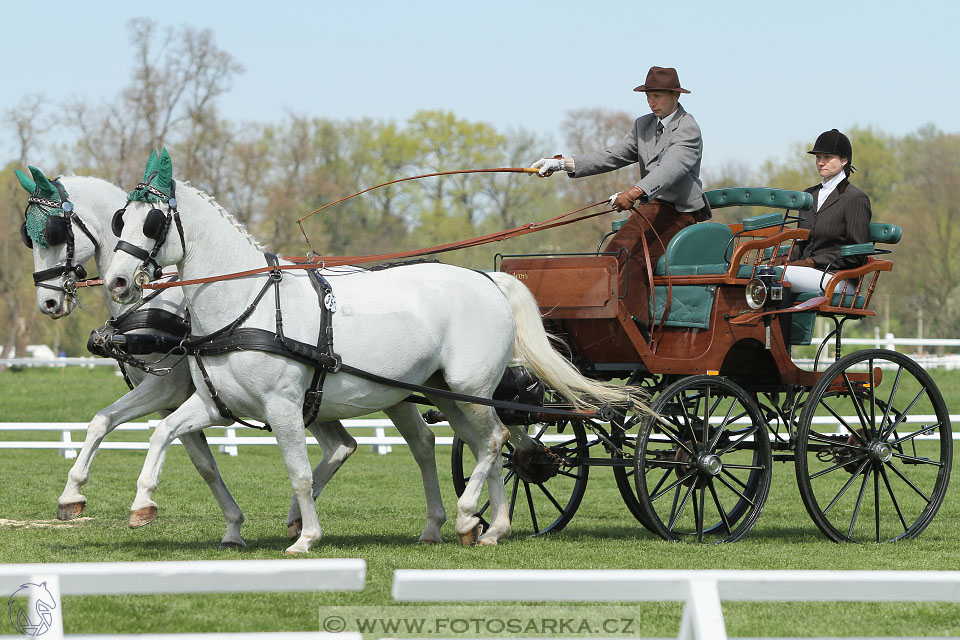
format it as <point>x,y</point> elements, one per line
<point>62,241</point>
<point>143,228</point>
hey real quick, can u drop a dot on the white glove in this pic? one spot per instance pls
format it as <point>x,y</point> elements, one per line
<point>612,199</point>
<point>547,166</point>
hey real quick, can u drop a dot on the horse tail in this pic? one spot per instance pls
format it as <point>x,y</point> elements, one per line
<point>532,347</point>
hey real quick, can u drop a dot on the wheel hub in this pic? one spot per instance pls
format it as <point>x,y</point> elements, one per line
<point>880,452</point>
<point>536,464</point>
<point>709,464</point>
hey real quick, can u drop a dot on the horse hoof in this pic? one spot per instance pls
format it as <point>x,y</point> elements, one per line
<point>469,538</point>
<point>430,541</point>
<point>142,516</point>
<point>70,511</point>
<point>233,545</point>
<point>487,542</point>
<point>294,529</point>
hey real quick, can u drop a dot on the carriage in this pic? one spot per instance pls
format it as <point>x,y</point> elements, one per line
<point>708,332</point>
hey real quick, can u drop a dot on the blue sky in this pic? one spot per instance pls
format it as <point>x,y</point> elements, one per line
<point>765,76</point>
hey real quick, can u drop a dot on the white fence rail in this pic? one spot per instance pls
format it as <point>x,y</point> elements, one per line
<point>701,591</point>
<point>230,442</point>
<point>140,578</point>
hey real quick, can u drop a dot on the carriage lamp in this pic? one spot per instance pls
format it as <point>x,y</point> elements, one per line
<point>764,288</point>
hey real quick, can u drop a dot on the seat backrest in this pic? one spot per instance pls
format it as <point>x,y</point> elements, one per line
<point>697,249</point>
<point>761,197</point>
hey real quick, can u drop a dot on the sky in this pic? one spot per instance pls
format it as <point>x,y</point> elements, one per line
<point>764,77</point>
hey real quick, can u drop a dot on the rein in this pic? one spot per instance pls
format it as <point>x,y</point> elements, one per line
<point>315,262</point>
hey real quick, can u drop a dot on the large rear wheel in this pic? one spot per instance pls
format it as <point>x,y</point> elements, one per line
<point>545,477</point>
<point>874,448</point>
<point>703,466</point>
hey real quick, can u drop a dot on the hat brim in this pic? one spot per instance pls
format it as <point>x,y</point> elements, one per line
<point>644,88</point>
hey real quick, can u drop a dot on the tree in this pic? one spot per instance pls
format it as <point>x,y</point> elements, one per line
<point>176,79</point>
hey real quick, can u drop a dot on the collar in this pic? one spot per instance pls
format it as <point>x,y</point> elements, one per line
<point>831,183</point>
<point>670,118</point>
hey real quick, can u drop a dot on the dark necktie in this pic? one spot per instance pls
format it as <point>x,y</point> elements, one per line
<point>659,131</point>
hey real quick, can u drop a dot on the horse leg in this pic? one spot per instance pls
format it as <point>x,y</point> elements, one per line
<point>193,415</point>
<point>482,431</point>
<point>288,429</point>
<point>337,445</point>
<point>153,394</point>
<point>195,444</point>
<point>421,440</point>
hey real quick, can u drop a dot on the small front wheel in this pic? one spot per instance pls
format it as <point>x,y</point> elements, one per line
<point>703,462</point>
<point>545,476</point>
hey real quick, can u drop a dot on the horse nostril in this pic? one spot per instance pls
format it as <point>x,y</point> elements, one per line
<point>51,304</point>
<point>120,284</point>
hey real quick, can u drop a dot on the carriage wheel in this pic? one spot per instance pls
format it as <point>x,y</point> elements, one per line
<point>874,454</point>
<point>703,468</point>
<point>545,482</point>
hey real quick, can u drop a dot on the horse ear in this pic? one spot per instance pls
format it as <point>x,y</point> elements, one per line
<point>25,181</point>
<point>166,170</point>
<point>47,190</point>
<point>152,163</point>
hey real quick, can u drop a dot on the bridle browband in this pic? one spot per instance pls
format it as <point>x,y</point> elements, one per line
<point>156,226</point>
<point>58,230</point>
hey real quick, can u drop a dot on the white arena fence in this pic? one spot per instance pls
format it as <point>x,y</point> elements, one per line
<point>230,442</point>
<point>202,576</point>
<point>702,592</point>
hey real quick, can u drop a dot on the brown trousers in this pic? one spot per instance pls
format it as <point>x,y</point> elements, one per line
<point>656,223</point>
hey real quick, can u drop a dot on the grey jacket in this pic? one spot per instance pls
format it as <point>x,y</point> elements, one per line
<point>669,170</point>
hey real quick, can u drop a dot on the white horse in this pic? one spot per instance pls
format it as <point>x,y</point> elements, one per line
<point>87,225</point>
<point>443,326</point>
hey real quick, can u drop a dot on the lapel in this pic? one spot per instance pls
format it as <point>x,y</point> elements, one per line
<point>667,131</point>
<point>834,197</point>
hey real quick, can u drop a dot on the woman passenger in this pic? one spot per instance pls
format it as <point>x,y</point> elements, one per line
<point>840,216</point>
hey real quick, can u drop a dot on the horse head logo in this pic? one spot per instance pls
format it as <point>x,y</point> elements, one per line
<point>38,620</point>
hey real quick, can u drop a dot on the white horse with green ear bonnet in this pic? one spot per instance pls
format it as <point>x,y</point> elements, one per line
<point>450,328</point>
<point>67,222</point>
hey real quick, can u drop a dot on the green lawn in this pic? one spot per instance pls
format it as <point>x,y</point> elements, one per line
<point>374,510</point>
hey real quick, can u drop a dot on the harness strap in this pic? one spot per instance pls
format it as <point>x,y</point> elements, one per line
<point>221,406</point>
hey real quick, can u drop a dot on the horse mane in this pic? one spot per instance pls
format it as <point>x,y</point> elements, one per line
<point>226,215</point>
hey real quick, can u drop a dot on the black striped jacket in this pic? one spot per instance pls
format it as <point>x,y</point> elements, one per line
<point>843,219</point>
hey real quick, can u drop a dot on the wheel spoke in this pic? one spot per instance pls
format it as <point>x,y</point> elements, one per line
<point>746,434</point>
<point>854,432</point>
<point>858,405</point>
<point>909,482</point>
<point>735,490</point>
<point>679,443</point>
<point>923,431</point>
<point>903,414</point>
<point>846,486</point>
<point>876,502</point>
<point>666,474</point>
<point>676,482</point>
<point>720,509</point>
<point>856,507</point>
<point>533,511</point>
<point>839,465</point>
<point>698,512</point>
<point>550,497</point>
<point>893,498</point>
<point>676,515</point>
<point>916,460</point>
<point>886,410</point>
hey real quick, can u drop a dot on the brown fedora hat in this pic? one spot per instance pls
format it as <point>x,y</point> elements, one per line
<point>662,79</point>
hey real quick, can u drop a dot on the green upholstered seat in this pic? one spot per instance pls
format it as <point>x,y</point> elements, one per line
<point>696,250</point>
<point>884,232</point>
<point>760,196</point>
<point>762,221</point>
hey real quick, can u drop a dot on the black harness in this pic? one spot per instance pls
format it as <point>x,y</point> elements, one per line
<point>233,337</point>
<point>155,226</point>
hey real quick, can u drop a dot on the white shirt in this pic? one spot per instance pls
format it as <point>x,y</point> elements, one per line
<point>827,187</point>
<point>669,118</point>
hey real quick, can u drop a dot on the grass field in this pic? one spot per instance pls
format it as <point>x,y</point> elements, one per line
<point>374,510</point>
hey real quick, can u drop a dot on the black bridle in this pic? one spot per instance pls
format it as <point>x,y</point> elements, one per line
<point>58,230</point>
<point>156,226</point>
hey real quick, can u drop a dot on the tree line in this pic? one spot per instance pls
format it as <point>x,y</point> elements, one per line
<point>268,175</point>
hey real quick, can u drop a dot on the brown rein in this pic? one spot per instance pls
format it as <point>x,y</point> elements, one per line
<point>315,261</point>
